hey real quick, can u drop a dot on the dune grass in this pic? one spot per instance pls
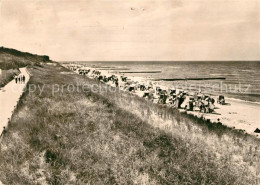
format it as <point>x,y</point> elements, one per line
<point>104,137</point>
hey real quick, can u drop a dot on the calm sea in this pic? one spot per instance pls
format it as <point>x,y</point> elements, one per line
<point>242,78</point>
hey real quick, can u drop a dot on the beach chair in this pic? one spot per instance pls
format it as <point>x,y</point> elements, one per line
<point>221,100</point>
<point>173,92</point>
<point>131,88</point>
<point>142,87</point>
<point>162,99</point>
<point>146,94</point>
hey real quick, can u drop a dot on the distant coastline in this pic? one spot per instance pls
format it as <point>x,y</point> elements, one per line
<point>236,74</point>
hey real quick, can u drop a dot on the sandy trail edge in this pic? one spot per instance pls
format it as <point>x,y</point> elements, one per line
<point>9,97</point>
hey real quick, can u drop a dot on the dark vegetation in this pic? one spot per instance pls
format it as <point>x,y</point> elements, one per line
<point>14,59</point>
<point>104,137</point>
<point>7,75</point>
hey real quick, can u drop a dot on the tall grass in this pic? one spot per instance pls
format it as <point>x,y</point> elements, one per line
<point>116,138</point>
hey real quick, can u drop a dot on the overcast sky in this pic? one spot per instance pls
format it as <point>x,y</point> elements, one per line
<point>133,29</point>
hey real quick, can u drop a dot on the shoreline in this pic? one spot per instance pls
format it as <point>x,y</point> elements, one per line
<point>227,96</point>
<point>226,87</point>
<point>243,101</point>
<point>239,114</point>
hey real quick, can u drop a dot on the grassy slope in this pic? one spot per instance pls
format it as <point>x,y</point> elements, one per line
<point>108,138</point>
<point>7,75</point>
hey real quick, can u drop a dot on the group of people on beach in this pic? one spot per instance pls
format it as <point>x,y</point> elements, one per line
<point>190,101</point>
<point>20,79</point>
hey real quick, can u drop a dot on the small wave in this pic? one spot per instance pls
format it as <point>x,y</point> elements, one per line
<point>245,101</point>
<point>246,70</point>
<point>223,74</point>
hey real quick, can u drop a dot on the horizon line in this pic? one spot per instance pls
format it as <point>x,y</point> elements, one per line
<point>161,61</point>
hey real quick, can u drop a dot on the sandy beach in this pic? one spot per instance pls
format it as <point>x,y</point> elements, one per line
<point>239,114</point>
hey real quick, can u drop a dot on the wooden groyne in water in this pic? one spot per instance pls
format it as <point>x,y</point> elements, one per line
<point>116,69</point>
<point>178,79</point>
<point>140,71</point>
<point>104,68</point>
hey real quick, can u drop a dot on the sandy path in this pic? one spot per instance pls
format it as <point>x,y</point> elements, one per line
<point>9,96</point>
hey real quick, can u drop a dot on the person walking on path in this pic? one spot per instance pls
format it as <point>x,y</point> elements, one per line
<point>16,79</point>
<point>3,132</point>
